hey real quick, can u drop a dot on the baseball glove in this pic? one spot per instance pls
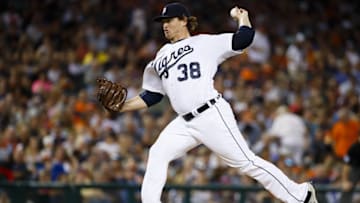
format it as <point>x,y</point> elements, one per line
<point>111,95</point>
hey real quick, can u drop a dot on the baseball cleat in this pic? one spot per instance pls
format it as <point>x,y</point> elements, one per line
<point>311,196</point>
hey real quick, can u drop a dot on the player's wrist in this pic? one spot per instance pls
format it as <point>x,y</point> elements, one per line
<point>244,21</point>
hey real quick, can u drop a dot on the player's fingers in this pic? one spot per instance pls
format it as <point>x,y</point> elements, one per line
<point>242,11</point>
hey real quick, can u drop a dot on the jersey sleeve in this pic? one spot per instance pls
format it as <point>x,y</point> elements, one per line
<point>222,45</point>
<point>151,80</point>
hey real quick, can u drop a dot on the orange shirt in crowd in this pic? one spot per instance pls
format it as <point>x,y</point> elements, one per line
<point>343,135</point>
<point>248,74</point>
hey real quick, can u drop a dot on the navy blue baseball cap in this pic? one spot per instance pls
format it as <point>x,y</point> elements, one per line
<point>173,10</point>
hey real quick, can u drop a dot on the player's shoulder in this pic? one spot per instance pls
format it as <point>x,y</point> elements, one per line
<point>208,36</point>
<point>149,65</point>
<point>163,48</point>
<point>202,36</point>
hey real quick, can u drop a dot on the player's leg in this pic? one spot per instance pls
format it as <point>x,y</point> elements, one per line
<point>224,138</point>
<point>173,142</point>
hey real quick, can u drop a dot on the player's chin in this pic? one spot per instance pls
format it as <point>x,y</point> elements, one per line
<point>167,35</point>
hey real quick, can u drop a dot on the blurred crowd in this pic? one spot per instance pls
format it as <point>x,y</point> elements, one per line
<point>295,92</point>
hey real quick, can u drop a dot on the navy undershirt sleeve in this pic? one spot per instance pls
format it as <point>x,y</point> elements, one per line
<point>242,38</point>
<point>151,98</point>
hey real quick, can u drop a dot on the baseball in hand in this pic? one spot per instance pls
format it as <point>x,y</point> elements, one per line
<point>234,12</point>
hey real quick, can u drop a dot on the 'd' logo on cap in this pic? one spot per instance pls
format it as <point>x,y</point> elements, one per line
<point>164,11</point>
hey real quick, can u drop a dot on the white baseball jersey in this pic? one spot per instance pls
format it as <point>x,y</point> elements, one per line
<point>184,73</point>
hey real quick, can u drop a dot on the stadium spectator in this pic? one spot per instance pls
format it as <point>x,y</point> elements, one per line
<point>350,172</point>
<point>259,51</point>
<point>289,133</point>
<point>344,132</point>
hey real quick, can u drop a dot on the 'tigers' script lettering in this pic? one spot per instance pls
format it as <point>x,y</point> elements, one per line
<point>163,64</point>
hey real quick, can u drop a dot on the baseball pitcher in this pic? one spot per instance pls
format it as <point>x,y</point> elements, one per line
<point>183,70</point>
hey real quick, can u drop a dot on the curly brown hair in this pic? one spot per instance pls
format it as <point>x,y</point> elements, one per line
<point>192,22</point>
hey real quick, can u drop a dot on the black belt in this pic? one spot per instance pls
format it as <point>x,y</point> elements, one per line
<point>189,116</point>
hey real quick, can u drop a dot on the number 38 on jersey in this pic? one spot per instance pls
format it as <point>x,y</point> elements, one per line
<point>187,71</point>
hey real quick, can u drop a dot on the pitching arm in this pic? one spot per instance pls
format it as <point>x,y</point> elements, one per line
<point>244,36</point>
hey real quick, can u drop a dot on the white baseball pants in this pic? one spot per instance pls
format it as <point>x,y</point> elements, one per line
<point>216,128</point>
